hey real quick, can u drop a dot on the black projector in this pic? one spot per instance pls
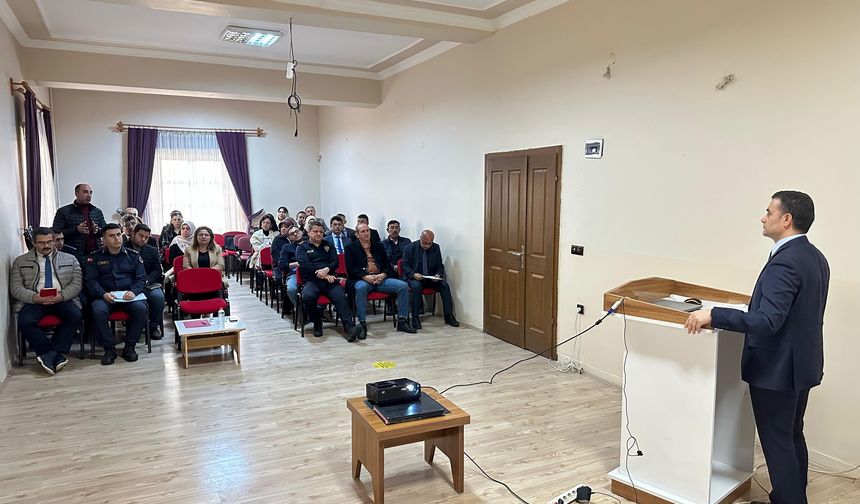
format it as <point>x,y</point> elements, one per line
<point>393,391</point>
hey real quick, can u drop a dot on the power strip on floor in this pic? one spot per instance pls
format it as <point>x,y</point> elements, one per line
<point>568,497</point>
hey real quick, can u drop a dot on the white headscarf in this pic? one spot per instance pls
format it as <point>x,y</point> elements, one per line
<point>180,240</point>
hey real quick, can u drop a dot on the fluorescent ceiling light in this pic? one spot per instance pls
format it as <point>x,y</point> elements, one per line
<point>250,36</point>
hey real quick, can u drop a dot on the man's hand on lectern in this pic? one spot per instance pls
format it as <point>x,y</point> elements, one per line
<point>697,319</point>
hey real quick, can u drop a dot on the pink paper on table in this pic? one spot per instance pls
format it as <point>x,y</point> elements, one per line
<point>190,324</point>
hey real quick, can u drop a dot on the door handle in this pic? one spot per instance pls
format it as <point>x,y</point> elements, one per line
<point>522,255</point>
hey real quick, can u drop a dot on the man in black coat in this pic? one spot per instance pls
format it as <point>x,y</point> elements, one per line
<point>317,264</point>
<point>369,271</point>
<point>139,242</point>
<point>80,221</point>
<point>423,267</point>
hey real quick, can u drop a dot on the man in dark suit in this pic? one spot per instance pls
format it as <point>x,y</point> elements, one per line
<point>337,237</point>
<point>784,351</point>
<point>423,267</point>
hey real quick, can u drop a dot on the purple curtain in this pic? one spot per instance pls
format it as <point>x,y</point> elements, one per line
<point>49,133</point>
<point>34,163</point>
<point>235,154</point>
<point>141,158</point>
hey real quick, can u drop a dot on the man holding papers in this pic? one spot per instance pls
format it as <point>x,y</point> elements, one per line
<point>423,267</point>
<point>783,352</point>
<point>115,281</point>
<point>47,282</point>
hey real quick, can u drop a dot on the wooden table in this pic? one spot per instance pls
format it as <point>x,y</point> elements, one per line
<point>209,336</point>
<point>370,438</point>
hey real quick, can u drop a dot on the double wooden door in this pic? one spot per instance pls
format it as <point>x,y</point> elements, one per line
<point>521,247</point>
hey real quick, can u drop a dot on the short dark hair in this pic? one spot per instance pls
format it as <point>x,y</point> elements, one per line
<point>284,223</point>
<point>316,223</point>
<point>43,231</point>
<point>174,213</point>
<point>799,205</point>
<point>78,187</point>
<point>57,232</point>
<point>142,227</point>
<point>336,218</point>
<point>109,226</point>
<point>363,216</point>
<point>392,221</point>
<point>342,216</point>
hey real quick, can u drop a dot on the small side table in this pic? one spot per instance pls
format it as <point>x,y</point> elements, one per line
<point>209,336</point>
<point>370,438</point>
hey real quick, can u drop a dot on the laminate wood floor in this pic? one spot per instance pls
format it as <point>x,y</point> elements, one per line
<point>275,429</point>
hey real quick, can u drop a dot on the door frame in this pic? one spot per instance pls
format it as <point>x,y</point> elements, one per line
<point>556,250</point>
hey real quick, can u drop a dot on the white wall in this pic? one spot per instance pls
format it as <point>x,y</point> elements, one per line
<point>10,204</point>
<point>687,171</point>
<point>284,170</point>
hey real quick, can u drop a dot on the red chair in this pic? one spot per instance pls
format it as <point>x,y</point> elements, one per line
<point>265,274</point>
<point>170,297</point>
<point>121,316</point>
<point>198,282</point>
<point>47,322</point>
<point>426,291</point>
<point>245,253</point>
<point>299,312</point>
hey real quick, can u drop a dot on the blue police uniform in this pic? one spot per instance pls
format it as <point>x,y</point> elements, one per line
<point>108,272</point>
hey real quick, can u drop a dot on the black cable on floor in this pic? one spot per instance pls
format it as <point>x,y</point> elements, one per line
<point>495,480</point>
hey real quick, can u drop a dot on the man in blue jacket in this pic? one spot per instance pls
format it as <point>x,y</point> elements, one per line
<point>783,353</point>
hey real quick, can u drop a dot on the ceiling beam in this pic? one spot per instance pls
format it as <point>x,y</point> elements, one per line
<point>352,15</point>
<point>109,72</point>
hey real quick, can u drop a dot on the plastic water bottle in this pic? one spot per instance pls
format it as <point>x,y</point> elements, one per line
<point>221,319</point>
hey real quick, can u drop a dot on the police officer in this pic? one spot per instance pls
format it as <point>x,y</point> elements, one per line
<point>317,264</point>
<point>115,275</point>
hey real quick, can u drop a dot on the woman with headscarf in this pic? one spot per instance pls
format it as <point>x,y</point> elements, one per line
<point>283,214</point>
<point>262,238</point>
<point>181,241</point>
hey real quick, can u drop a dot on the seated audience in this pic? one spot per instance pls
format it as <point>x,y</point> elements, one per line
<point>152,288</point>
<point>80,221</point>
<point>300,219</point>
<point>348,230</point>
<point>369,271</point>
<point>115,276</point>
<point>204,252</point>
<point>279,241</point>
<point>170,230</point>
<point>262,238</point>
<point>363,219</point>
<point>180,242</point>
<point>129,222</point>
<point>395,244</point>
<point>282,214</point>
<point>312,212</point>
<point>317,264</point>
<point>423,267</point>
<point>44,267</point>
<point>337,236</point>
<point>287,263</point>
<point>60,245</point>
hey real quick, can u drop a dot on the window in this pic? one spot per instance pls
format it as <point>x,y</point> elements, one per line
<point>189,175</point>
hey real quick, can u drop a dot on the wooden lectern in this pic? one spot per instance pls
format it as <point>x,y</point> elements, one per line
<point>684,401</point>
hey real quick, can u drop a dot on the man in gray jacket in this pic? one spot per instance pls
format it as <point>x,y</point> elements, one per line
<point>43,282</point>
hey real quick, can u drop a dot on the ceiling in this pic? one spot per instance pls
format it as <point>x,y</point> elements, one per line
<point>357,38</point>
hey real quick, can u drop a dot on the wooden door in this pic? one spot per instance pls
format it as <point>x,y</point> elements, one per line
<point>520,247</point>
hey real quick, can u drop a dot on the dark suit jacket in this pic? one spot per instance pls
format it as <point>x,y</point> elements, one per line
<point>344,237</point>
<point>356,261</point>
<point>412,260</point>
<point>784,346</point>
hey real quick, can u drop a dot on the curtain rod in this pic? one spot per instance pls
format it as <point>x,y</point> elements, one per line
<point>121,127</point>
<point>23,89</point>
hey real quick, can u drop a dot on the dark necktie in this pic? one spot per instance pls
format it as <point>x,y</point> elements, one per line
<point>339,244</point>
<point>49,273</point>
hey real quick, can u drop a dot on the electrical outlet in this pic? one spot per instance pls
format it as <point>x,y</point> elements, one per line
<point>577,250</point>
<point>580,309</point>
